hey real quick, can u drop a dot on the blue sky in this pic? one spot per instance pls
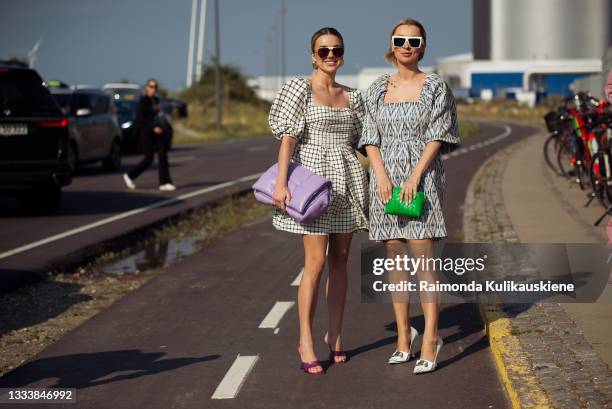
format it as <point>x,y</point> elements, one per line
<point>98,41</point>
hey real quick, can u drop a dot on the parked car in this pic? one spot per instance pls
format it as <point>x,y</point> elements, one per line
<point>34,139</point>
<point>93,129</point>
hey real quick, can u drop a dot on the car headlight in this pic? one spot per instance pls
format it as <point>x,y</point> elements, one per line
<point>126,125</point>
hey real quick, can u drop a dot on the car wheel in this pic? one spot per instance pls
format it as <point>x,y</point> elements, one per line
<point>113,161</point>
<point>41,201</point>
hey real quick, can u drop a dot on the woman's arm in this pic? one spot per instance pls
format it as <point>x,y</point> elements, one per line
<point>409,189</point>
<point>281,195</point>
<point>383,184</point>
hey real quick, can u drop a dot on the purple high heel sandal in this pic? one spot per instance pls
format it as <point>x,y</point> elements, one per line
<point>333,354</point>
<point>305,366</point>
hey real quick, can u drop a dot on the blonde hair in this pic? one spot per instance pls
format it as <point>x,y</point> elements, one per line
<point>389,56</point>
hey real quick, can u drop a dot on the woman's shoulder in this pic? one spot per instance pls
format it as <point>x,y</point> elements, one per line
<point>295,84</point>
<point>379,83</point>
<point>436,82</point>
<point>377,87</point>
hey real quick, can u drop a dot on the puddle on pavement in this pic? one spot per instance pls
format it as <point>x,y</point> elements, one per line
<point>157,254</point>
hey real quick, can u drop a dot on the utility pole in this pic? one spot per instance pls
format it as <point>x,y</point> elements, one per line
<point>189,80</point>
<point>217,68</point>
<point>283,41</point>
<point>200,54</point>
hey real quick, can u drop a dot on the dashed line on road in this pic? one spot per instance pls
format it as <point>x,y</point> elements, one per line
<point>127,214</point>
<point>276,314</point>
<point>296,281</point>
<point>234,378</point>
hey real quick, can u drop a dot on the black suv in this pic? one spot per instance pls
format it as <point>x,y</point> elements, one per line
<point>33,140</point>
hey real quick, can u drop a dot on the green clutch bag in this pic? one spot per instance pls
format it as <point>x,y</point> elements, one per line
<point>412,209</point>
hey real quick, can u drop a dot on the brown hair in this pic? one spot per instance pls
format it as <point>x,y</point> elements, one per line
<point>322,32</point>
<point>389,56</point>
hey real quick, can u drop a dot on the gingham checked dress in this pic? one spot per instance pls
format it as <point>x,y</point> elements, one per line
<point>326,139</point>
<point>401,130</point>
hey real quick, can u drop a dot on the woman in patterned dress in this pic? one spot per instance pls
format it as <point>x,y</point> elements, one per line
<point>319,123</point>
<point>410,120</point>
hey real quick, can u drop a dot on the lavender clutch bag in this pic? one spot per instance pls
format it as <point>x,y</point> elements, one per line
<point>310,193</point>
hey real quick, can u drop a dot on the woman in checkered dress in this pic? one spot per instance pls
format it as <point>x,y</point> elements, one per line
<point>319,123</point>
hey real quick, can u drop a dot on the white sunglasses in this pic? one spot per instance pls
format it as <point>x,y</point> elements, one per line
<point>413,41</point>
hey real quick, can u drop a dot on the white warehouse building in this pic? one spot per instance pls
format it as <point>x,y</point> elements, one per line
<point>523,49</point>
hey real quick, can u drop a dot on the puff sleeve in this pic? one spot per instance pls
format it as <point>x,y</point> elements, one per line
<point>358,111</point>
<point>369,133</point>
<point>443,119</point>
<point>287,112</point>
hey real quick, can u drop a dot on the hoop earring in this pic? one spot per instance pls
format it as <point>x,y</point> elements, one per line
<point>314,64</point>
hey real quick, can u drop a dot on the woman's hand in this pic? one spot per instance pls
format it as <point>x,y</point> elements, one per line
<point>409,189</point>
<point>384,187</point>
<point>281,196</point>
<point>158,130</point>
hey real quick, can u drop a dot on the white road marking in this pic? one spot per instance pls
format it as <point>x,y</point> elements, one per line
<point>297,280</point>
<point>276,330</point>
<point>125,215</point>
<point>276,314</point>
<point>507,132</point>
<point>181,159</point>
<point>234,378</point>
<point>258,148</point>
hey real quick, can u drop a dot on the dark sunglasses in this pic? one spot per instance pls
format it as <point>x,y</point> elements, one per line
<point>152,86</point>
<point>413,42</point>
<point>337,52</point>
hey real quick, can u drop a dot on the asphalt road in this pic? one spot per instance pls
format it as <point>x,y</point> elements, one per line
<point>94,197</point>
<point>174,342</point>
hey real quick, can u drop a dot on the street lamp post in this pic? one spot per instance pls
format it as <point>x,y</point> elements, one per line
<point>217,68</point>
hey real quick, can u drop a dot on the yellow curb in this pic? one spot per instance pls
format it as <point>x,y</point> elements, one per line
<point>510,360</point>
<point>505,348</point>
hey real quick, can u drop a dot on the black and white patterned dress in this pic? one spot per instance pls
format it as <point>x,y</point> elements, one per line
<point>401,131</point>
<point>326,139</point>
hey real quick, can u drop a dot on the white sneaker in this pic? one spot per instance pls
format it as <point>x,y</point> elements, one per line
<point>128,182</point>
<point>168,187</point>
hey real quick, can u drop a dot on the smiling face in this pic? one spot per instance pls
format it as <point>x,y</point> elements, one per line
<point>325,59</point>
<point>407,55</point>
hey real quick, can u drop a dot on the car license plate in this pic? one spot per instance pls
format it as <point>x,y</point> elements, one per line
<point>13,129</point>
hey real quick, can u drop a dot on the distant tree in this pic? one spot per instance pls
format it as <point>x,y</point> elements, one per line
<point>234,87</point>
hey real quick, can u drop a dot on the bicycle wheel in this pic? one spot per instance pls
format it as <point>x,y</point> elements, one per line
<point>550,147</point>
<point>565,160</point>
<point>601,178</point>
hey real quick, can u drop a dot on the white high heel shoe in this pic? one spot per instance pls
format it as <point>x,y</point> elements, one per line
<point>400,357</point>
<point>424,366</point>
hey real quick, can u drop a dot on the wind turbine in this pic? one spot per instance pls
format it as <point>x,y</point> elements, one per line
<point>32,53</point>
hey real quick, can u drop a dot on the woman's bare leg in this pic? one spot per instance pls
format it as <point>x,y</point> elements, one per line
<point>401,308</point>
<point>314,260</point>
<point>339,245</point>
<point>430,301</point>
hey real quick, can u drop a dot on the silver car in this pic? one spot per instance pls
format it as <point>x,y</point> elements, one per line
<point>94,132</point>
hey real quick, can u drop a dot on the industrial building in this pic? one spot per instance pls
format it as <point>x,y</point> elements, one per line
<point>521,49</point>
<point>527,49</point>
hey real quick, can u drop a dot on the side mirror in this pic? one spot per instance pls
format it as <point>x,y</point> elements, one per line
<point>83,112</point>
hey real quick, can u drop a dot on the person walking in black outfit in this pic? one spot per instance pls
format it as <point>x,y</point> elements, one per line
<point>150,134</point>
